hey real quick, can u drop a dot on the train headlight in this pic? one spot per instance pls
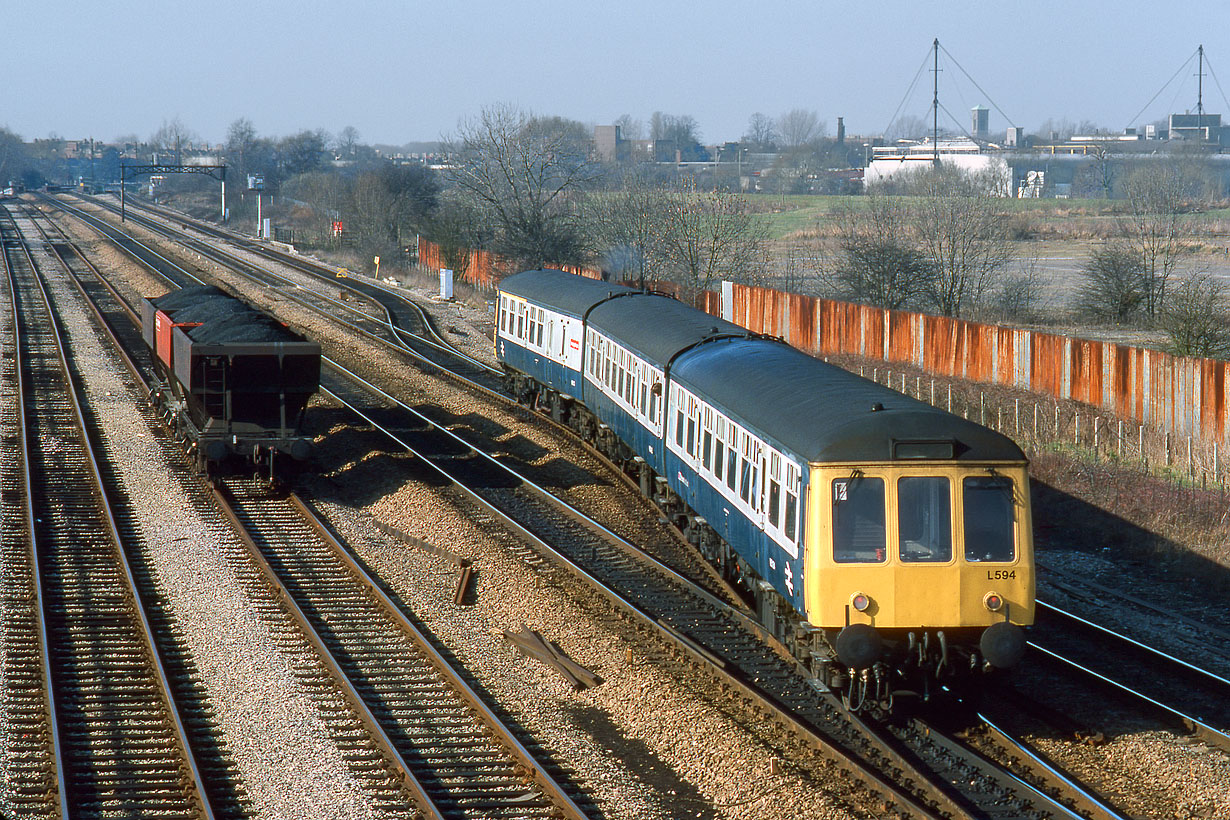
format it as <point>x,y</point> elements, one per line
<point>860,602</point>
<point>993,601</point>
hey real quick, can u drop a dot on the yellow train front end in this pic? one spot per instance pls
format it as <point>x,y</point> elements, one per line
<point>920,573</point>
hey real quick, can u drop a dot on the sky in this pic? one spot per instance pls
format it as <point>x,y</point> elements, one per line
<point>411,71</point>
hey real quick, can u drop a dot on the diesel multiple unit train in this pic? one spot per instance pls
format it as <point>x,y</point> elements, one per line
<point>887,542</point>
<point>233,382</point>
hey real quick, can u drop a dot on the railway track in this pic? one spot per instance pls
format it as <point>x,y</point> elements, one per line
<point>997,793</point>
<point>448,748</point>
<point>944,779</point>
<point>116,735</point>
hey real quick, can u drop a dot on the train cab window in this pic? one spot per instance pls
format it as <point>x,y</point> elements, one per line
<point>924,519</point>
<point>858,520</point>
<point>989,514</point>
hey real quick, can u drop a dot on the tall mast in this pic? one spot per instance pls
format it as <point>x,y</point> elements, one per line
<point>935,102</point>
<point>1200,89</point>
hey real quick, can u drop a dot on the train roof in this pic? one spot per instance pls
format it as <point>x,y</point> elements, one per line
<point>825,414</point>
<point>558,289</point>
<point>658,327</point>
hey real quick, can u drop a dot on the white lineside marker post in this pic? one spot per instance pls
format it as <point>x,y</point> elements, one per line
<point>446,283</point>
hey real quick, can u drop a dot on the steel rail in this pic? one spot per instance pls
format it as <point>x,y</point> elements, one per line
<point>358,704</point>
<point>877,783</point>
<point>1090,804</point>
<point>174,711</point>
<point>1207,732</point>
<point>324,275</point>
<point>310,267</point>
<point>53,737</point>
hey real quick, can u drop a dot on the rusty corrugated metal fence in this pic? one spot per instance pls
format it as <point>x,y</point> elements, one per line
<point>1185,397</point>
<point>483,268</point>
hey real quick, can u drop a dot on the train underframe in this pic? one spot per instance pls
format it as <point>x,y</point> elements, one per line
<point>211,451</point>
<point>910,666</point>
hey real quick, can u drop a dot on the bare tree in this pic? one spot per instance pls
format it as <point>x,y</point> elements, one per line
<point>347,140</point>
<point>630,224</point>
<point>172,137</point>
<point>630,128</point>
<point>1158,197</point>
<point>525,172</point>
<point>960,223</point>
<point>909,127</point>
<point>12,156</point>
<point>711,236</point>
<point>761,130</point>
<point>799,127</point>
<point>1197,317</point>
<point>878,263</point>
<point>457,225</point>
<point>1113,286</point>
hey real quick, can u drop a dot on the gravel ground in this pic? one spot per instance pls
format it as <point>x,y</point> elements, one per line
<point>271,727</point>
<point>647,744</point>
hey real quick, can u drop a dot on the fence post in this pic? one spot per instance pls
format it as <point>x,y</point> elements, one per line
<point>933,392</point>
<point>875,374</point>
<point>1096,419</point>
<point>982,408</point>
<point>1055,434</point>
<point>950,397</point>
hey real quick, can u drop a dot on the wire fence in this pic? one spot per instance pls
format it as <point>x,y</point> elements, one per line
<point>1040,423</point>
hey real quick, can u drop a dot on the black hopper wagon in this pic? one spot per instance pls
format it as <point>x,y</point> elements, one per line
<point>233,382</point>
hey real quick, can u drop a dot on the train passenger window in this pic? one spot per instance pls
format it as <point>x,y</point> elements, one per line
<point>989,514</point>
<point>775,502</point>
<point>707,455</point>
<point>792,515</point>
<point>745,480</point>
<point>732,459</point>
<point>858,520</point>
<point>718,456</point>
<point>691,445</point>
<point>924,519</point>
<point>628,394</point>
<point>521,322</point>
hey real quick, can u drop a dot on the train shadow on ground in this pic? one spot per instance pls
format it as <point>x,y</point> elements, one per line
<point>676,796</point>
<point>1063,521</point>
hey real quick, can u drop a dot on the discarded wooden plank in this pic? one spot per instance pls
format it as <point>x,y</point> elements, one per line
<point>463,583</point>
<point>423,545</point>
<point>536,646</point>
